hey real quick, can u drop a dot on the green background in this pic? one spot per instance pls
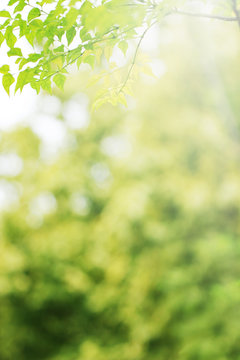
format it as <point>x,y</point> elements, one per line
<point>137,254</point>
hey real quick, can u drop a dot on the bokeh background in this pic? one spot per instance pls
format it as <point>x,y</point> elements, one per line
<point>119,229</point>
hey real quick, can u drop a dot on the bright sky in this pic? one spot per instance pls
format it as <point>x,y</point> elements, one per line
<point>16,109</point>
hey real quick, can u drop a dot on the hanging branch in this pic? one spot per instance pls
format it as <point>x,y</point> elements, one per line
<point>208,16</point>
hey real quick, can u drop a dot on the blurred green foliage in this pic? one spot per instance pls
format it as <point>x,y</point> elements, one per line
<point>126,245</point>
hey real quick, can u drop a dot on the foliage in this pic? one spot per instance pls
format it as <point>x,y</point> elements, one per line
<point>63,32</point>
<point>126,246</point>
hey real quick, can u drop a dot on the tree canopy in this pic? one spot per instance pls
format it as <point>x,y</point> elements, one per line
<point>65,32</point>
<point>124,245</point>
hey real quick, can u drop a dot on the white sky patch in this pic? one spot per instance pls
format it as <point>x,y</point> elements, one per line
<point>50,104</point>
<point>80,204</point>
<point>198,5</point>
<point>43,204</point>
<point>16,109</point>
<point>8,195</point>
<point>10,165</point>
<point>76,113</point>
<point>4,4</point>
<point>151,43</point>
<point>100,173</point>
<point>116,146</point>
<point>118,57</point>
<point>52,133</point>
<point>158,67</point>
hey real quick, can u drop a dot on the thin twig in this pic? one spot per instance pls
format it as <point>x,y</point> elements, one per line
<point>42,11</point>
<point>135,56</point>
<point>74,60</point>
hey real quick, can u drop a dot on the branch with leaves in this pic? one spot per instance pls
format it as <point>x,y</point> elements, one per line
<point>62,33</point>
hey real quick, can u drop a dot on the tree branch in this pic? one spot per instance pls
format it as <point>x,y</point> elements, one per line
<point>207,16</point>
<point>135,56</point>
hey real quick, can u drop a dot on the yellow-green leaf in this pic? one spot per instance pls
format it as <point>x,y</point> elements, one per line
<point>36,86</point>
<point>11,2</point>
<point>35,12</point>
<point>70,34</point>
<point>90,59</point>
<point>123,45</point>
<point>7,81</point>
<point>15,52</point>
<point>59,80</point>
<point>10,39</point>
<point>4,69</point>
<point>1,38</point>
<point>5,13</point>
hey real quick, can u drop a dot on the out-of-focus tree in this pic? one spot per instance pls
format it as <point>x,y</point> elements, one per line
<point>125,244</point>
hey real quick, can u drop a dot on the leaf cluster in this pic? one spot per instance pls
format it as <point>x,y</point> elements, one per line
<point>70,33</point>
<point>65,32</point>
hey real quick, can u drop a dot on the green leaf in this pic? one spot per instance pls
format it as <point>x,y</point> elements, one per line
<point>21,5</point>
<point>123,45</point>
<point>34,57</point>
<point>36,86</point>
<point>84,35</point>
<point>86,8</point>
<point>22,27</point>
<point>71,16</point>
<point>90,59</point>
<point>4,69</point>
<point>1,38</point>
<point>5,13</point>
<point>46,85</point>
<point>36,25</point>
<point>7,81</point>
<point>11,2</point>
<point>35,12</point>
<point>10,37</point>
<point>121,99</point>
<point>22,63</point>
<point>24,77</point>
<point>99,102</point>
<point>70,34</point>
<point>108,51</point>
<point>15,52</point>
<point>79,61</point>
<point>30,36</point>
<point>59,80</point>
<point>59,49</point>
